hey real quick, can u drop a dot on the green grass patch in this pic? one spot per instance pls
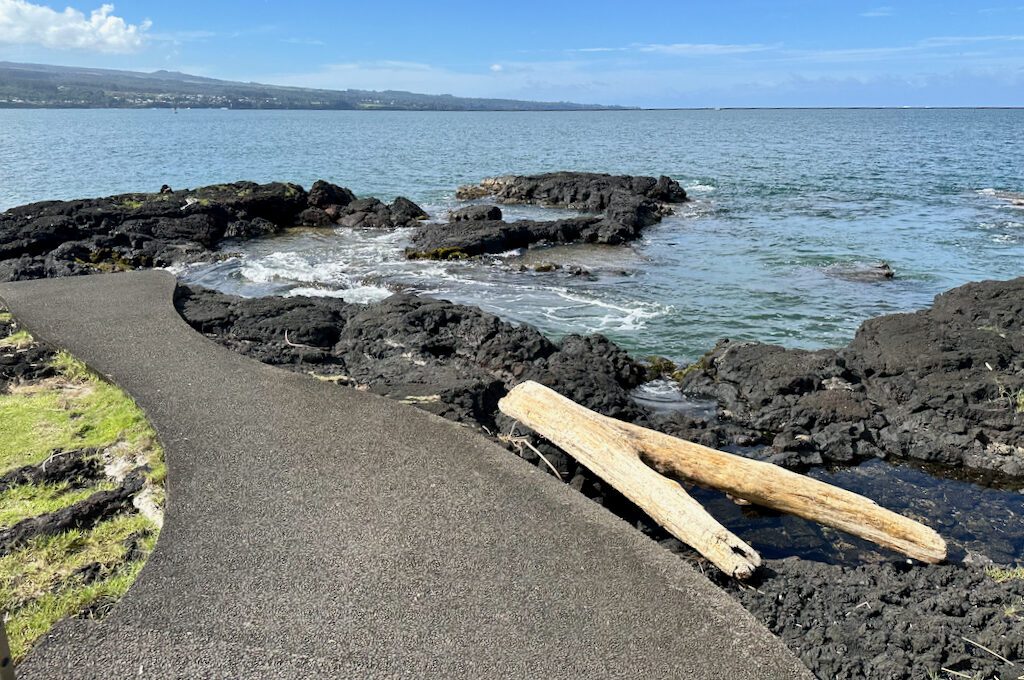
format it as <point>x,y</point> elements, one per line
<point>43,583</point>
<point>130,204</point>
<point>1002,574</point>
<point>31,428</point>
<point>77,572</point>
<point>5,317</point>
<point>30,500</point>
<point>84,412</point>
<point>71,368</point>
<point>18,340</point>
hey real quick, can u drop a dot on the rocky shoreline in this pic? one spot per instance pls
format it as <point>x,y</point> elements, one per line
<point>941,386</point>
<point>457,361</point>
<point>623,206</point>
<point>944,385</point>
<point>129,231</point>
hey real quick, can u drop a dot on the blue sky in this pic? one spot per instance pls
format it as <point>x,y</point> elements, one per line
<point>743,53</point>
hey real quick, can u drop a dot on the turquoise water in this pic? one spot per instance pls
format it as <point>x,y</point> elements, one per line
<point>787,203</point>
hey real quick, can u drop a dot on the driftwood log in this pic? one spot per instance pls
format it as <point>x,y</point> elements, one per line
<point>627,456</point>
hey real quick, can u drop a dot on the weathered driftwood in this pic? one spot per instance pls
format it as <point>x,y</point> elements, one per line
<point>622,454</point>
<point>662,498</point>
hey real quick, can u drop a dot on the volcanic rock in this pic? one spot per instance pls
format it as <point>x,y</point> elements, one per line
<point>474,213</point>
<point>944,385</point>
<point>626,205</point>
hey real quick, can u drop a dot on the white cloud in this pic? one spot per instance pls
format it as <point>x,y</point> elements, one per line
<point>955,40</point>
<point>497,68</point>
<point>551,80</point>
<point>304,41</point>
<point>25,23</point>
<point>878,12</point>
<point>701,49</point>
<point>683,49</point>
<point>597,81</point>
<point>931,49</point>
<point>600,49</point>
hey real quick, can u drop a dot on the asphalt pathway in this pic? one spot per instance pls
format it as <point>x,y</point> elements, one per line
<point>317,531</point>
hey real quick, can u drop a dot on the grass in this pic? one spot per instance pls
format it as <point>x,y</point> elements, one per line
<point>5,317</point>
<point>78,572</point>
<point>30,500</point>
<point>43,583</point>
<point>130,204</point>
<point>1002,575</point>
<point>79,411</point>
<point>1014,401</point>
<point>17,340</point>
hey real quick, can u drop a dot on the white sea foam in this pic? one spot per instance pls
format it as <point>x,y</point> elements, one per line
<point>291,266</point>
<point>988,226</point>
<point>1005,238</point>
<point>362,294</point>
<point>664,395</point>
<point>616,317</point>
<point>700,188</point>
<point>661,390</point>
<point>1013,199</point>
<point>176,269</point>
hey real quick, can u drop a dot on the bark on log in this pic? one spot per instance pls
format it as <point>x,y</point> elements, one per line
<point>604,444</point>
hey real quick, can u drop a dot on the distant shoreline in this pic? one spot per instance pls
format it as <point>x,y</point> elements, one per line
<point>621,109</point>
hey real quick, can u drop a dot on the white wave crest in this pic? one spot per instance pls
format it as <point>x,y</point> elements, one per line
<point>291,266</point>
<point>1013,199</point>
<point>362,294</point>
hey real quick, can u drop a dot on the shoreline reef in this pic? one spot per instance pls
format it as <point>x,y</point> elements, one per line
<point>941,386</point>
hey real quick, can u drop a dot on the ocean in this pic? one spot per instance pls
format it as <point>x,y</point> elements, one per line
<point>788,207</point>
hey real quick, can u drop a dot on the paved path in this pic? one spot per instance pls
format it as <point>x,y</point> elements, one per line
<point>316,531</point>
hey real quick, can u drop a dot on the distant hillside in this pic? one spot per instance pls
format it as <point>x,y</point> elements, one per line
<point>42,86</point>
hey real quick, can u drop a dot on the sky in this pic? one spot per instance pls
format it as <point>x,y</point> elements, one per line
<point>673,53</point>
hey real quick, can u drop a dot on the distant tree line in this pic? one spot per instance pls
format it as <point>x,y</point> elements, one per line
<point>43,86</point>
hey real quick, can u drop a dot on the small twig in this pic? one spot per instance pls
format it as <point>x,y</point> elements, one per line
<point>295,344</point>
<point>956,673</point>
<point>542,457</point>
<point>54,456</point>
<point>984,648</point>
<point>519,442</point>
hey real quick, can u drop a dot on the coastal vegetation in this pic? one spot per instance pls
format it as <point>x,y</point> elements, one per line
<point>45,86</point>
<point>1002,575</point>
<point>76,458</point>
